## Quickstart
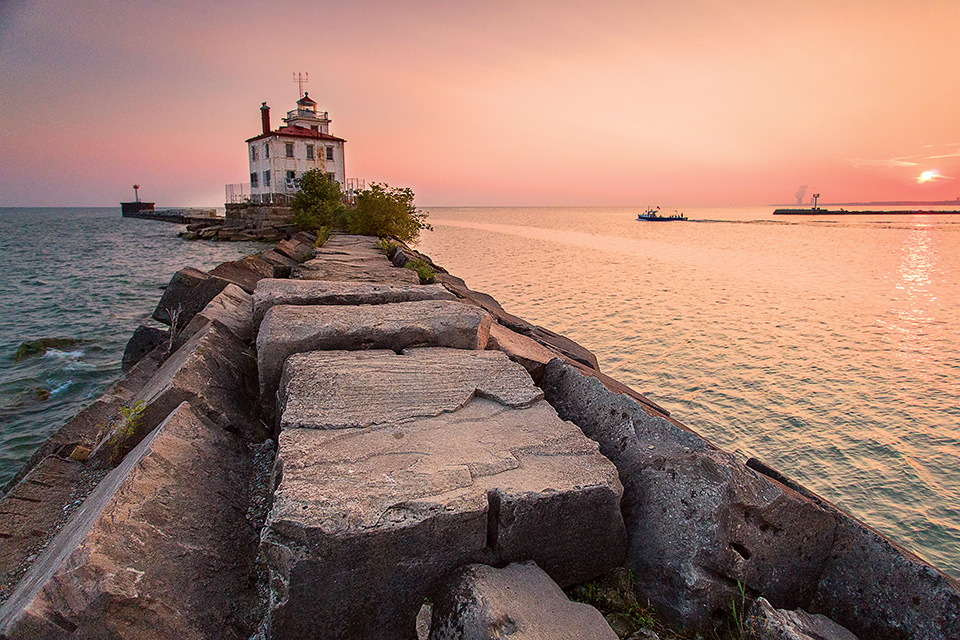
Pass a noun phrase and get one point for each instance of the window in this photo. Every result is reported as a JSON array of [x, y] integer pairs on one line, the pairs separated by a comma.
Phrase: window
[[329, 153], [309, 152], [253, 180], [332, 176], [253, 153], [291, 175], [315, 127], [289, 147], [266, 149], [266, 178]]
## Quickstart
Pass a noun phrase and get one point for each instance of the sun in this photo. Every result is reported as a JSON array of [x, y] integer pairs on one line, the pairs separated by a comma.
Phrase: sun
[[927, 176]]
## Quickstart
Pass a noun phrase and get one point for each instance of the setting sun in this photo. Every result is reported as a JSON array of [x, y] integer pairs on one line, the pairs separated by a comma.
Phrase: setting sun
[[929, 175]]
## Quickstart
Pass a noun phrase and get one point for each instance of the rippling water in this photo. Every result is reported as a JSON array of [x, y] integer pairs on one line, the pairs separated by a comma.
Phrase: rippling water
[[826, 347], [86, 274]]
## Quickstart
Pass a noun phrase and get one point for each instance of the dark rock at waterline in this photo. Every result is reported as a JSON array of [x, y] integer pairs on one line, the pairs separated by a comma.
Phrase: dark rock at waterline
[[39, 347], [520, 600], [144, 340], [189, 291]]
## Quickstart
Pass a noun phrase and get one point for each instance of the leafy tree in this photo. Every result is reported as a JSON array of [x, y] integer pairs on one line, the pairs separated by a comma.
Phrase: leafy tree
[[385, 211], [318, 203]]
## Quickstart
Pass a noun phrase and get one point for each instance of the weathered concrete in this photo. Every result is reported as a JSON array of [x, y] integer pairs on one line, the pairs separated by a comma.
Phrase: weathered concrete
[[347, 389], [233, 308], [144, 340], [354, 259], [189, 291], [288, 329], [214, 371], [697, 520], [273, 292], [382, 514], [766, 623], [160, 549], [519, 601]]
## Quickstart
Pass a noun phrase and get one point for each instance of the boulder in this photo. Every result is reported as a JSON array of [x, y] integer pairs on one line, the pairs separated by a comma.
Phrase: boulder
[[31, 509], [213, 370], [189, 291], [245, 273], [766, 623], [160, 549], [273, 292], [296, 250], [233, 308], [277, 259], [144, 340], [519, 601], [368, 521], [288, 329], [349, 389], [525, 351], [698, 522]]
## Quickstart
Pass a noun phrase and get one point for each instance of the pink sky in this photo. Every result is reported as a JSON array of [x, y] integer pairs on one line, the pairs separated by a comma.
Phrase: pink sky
[[625, 102]]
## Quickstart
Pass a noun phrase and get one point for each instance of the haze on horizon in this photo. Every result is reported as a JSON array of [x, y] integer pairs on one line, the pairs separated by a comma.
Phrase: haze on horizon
[[672, 102]]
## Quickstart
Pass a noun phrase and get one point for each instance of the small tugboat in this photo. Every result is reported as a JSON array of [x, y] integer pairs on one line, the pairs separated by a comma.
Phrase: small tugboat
[[653, 215]]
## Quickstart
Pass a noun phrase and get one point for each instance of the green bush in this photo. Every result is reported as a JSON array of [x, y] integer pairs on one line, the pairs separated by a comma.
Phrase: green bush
[[318, 203], [384, 211], [424, 271]]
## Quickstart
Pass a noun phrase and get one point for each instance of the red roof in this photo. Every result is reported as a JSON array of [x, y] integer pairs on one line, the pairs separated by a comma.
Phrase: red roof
[[294, 131]]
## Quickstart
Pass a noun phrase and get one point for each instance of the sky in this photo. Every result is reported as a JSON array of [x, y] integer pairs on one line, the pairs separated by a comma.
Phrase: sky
[[554, 103]]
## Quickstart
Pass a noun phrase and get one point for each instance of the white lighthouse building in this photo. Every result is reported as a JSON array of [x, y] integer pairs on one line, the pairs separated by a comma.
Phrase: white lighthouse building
[[278, 157]]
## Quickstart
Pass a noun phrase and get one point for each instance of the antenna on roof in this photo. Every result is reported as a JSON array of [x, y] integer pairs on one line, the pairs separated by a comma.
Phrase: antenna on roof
[[301, 79]]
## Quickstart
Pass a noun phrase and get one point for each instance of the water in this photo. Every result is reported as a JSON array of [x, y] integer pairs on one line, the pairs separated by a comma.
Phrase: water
[[825, 347], [77, 273]]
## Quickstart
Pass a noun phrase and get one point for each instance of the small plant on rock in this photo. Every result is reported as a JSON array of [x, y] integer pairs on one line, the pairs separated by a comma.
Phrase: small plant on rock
[[424, 271], [131, 419]]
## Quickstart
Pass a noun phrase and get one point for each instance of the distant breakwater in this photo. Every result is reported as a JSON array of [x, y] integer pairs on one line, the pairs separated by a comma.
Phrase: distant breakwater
[[326, 404]]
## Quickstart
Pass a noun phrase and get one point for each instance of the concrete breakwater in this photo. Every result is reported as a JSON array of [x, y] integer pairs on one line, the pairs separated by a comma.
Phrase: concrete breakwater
[[321, 442]]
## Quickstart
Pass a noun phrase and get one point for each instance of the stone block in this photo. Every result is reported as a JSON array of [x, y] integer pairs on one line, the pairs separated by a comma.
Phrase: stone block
[[31, 508], [519, 601], [366, 522], [245, 273], [160, 549], [766, 623], [277, 259], [295, 249], [144, 340], [189, 291], [273, 292], [288, 329], [233, 308], [348, 389], [213, 371], [697, 520], [525, 351], [355, 259]]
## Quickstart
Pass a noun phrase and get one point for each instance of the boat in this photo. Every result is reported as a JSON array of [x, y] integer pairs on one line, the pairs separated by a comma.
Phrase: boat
[[653, 215]]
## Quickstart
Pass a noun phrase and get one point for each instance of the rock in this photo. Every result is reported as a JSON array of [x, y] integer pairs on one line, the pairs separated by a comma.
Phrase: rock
[[383, 514], [80, 453], [213, 370], [144, 340], [160, 549], [526, 352], [880, 590], [546, 337], [355, 259], [295, 249], [244, 273], [232, 307], [272, 292], [766, 623], [189, 291], [32, 508], [697, 520], [288, 329], [277, 259], [348, 389], [519, 601]]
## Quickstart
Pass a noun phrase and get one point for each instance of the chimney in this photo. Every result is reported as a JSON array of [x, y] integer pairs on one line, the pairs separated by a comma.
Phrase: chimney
[[265, 117]]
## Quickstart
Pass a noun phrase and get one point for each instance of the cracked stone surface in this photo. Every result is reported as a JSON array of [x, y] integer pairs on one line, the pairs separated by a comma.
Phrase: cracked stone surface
[[383, 514], [272, 292], [343, 389], [354, 258], [160, 549], [232, 307], [288, 329]]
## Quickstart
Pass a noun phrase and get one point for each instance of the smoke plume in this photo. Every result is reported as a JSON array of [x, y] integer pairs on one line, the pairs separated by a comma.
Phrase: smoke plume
[[801, 192]]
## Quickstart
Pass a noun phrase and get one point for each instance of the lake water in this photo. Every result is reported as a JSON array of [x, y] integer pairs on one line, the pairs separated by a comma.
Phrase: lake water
[[826, 347]]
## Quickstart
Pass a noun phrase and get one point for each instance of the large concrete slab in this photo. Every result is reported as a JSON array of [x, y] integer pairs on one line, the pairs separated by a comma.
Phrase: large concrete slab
[[273, 292], [232, 307], [519, 601], [160, 549], [289, 329], [366, 522], [354, 258], [346, 389]]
